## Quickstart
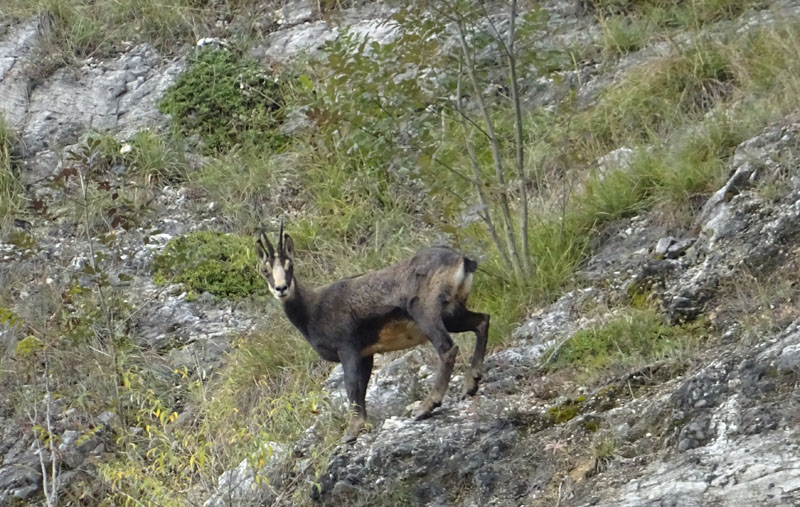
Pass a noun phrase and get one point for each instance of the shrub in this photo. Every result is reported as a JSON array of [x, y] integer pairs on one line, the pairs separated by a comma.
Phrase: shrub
[[227, 100], [205, 261]]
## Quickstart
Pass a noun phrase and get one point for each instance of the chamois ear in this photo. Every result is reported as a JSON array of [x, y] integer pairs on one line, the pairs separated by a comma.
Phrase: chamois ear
[[288, 246], [264, 248]]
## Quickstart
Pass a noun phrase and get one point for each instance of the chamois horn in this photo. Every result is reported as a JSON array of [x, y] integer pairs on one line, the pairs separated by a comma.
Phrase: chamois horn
[[280, 238]]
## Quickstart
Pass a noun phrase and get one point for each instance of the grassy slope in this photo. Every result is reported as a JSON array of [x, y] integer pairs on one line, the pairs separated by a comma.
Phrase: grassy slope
[[682, 114]]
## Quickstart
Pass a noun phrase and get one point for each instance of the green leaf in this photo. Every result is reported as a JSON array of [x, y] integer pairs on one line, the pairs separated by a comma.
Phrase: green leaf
[[28, 346], [305, 82]]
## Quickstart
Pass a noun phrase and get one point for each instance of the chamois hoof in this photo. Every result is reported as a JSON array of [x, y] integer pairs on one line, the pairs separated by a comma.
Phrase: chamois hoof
[[425, 410], [471, 382], [353, 429], [419, 415], [468, 392]]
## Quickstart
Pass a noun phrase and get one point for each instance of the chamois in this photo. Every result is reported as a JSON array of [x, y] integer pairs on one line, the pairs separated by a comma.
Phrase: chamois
[[398, 307]]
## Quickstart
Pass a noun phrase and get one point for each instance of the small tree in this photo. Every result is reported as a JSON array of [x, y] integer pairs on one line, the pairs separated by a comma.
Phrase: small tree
[[438, 96]]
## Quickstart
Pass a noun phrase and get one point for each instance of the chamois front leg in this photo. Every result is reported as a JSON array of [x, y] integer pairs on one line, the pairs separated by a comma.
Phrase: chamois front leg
[[462, 321], [357, 371], [434, 329]]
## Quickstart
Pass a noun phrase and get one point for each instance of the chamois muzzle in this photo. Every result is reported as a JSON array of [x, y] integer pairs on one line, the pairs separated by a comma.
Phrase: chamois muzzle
[[282, 290]]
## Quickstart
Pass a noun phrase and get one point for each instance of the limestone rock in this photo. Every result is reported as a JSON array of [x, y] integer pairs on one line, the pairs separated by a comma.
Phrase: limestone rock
[[119, 95]]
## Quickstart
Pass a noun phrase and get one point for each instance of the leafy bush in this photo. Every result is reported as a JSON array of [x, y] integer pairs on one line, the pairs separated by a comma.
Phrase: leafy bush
[[227, 100], [205, 261]]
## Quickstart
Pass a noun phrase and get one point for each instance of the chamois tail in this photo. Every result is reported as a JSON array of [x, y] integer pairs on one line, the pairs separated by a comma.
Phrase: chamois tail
[[470, 266]]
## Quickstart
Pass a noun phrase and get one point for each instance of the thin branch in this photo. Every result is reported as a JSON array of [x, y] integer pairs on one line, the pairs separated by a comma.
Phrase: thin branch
[[49, 486], [476, 171], [554, 353], [456, 172], [519, 147], [508, 49], [495, 148], [107, 314], [472, 122]]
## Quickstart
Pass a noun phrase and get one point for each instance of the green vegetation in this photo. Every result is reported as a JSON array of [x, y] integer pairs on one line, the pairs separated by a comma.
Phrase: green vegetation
[[83, 28], [154, 156], [605, 447], [566, 411], [659, 96], [630, 25], [227, 100], [10, 186], [114, 182], [385, 163], [147, 157], [634, 338], [204, 261], [243, 184], [263, 398]]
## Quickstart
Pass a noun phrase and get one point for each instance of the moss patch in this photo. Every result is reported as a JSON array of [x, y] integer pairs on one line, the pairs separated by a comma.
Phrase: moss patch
[[566, 411], [205, 261]]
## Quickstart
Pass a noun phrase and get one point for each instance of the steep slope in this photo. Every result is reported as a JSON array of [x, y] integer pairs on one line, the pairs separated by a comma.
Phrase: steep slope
[[658, 362], [722, 431]]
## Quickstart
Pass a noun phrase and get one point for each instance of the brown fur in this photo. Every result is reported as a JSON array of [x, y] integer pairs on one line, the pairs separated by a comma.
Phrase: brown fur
[[401, 306], [396, 335]]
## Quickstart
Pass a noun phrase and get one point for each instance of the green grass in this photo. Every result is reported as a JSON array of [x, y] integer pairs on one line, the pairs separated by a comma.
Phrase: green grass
[[632, 339], [624, 34], [244, 184], [147, 157], [121, 179], [659, 96], [10, 186], [267, 393], [155, 157], [605, 447], [83, 28], [628, 26], [684, 15]]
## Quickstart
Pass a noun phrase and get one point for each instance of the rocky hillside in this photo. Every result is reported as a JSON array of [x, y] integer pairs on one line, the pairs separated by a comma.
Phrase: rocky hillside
[[645, 345], [720, 431]]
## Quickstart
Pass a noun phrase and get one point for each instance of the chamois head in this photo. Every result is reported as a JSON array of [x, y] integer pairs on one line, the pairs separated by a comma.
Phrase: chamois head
[[277, 267]]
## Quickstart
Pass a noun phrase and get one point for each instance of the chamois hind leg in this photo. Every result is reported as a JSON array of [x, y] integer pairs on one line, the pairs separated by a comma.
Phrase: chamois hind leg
[[463, 320], [357, 371], [433, 327]]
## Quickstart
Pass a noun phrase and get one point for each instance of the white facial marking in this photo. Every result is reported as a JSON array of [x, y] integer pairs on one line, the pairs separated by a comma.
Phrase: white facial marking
[[279, 280]]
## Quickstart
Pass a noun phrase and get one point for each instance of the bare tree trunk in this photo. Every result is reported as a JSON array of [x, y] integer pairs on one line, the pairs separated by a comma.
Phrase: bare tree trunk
[[49, 486]]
